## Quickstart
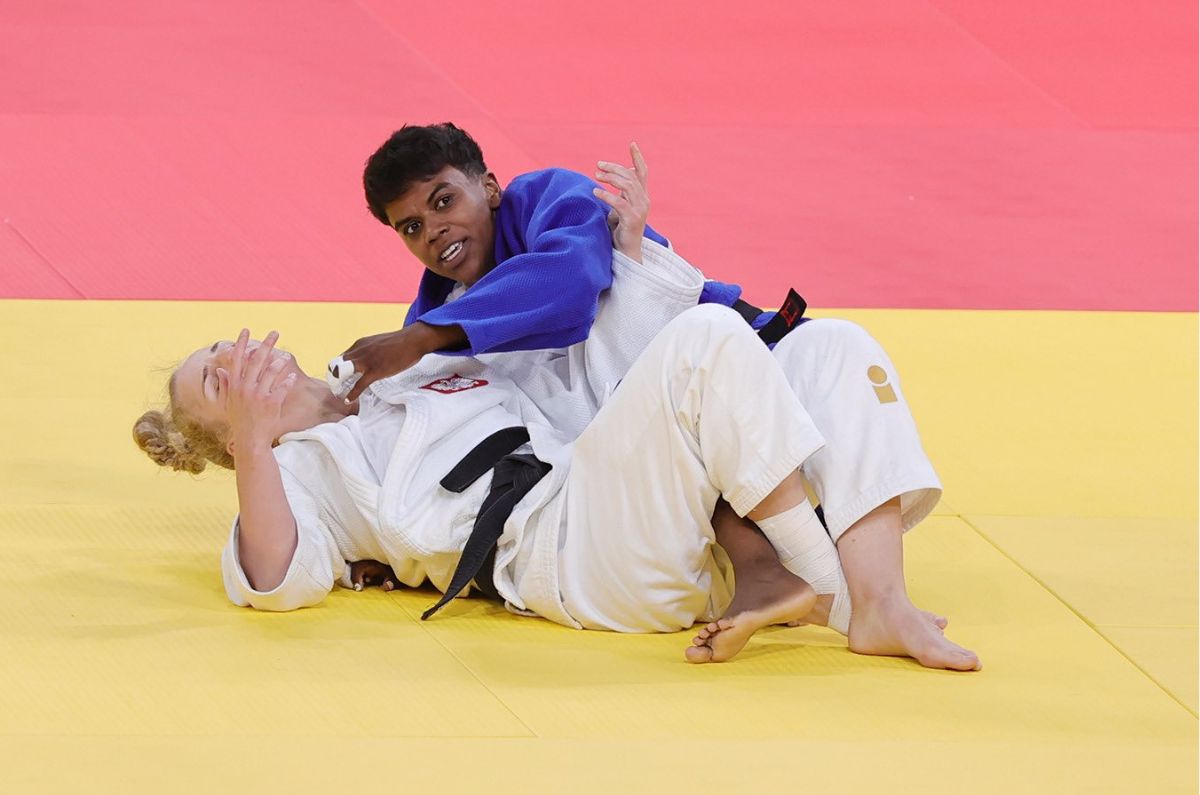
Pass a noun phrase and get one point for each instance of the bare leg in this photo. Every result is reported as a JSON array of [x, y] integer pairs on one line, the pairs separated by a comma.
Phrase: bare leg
[[884, 621], [765, 592]]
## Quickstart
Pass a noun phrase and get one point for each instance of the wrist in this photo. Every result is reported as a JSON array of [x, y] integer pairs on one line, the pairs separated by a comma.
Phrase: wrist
[[633, 252], [248, 450]]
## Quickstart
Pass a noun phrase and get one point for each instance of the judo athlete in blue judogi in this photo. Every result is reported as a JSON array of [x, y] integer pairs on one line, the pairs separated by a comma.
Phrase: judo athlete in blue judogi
[[515, 276], [515, 270]]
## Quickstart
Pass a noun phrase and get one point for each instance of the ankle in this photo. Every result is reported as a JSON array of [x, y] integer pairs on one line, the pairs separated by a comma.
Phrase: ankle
[[876, 599]]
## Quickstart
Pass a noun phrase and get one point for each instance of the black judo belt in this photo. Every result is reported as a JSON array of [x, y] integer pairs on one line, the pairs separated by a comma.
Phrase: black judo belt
[[513, 476], [790, 315]]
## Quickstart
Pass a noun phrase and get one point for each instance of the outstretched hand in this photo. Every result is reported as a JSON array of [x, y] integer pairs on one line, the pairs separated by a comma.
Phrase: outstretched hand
[[630, 205], [252, 392]]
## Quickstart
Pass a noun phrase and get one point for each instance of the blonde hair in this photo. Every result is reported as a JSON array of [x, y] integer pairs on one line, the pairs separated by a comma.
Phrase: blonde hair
[[174, 439]]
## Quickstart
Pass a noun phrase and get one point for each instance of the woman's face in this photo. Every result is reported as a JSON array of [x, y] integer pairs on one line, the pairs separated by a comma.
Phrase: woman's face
[[198, 391]]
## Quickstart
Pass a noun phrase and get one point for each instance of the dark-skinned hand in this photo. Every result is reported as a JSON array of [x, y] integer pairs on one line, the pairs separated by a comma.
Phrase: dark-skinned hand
[[383, 355], [371, 573]]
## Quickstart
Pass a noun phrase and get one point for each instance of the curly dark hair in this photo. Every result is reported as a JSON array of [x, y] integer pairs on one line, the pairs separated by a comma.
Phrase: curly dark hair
[[414, 153]]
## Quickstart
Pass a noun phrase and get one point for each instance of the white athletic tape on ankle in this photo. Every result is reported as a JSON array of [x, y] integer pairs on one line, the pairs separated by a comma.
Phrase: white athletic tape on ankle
[[804, 548], [839, 613]]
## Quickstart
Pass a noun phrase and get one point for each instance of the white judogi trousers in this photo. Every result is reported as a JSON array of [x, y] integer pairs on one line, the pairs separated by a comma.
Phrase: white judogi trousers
[[872, 450], [708, 411]]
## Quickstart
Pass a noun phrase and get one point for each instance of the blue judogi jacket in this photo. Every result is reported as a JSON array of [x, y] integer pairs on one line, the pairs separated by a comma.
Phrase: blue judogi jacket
[[553, 259]]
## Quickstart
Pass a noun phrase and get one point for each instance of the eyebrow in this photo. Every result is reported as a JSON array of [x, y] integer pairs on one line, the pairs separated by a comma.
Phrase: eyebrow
[[404, 221]]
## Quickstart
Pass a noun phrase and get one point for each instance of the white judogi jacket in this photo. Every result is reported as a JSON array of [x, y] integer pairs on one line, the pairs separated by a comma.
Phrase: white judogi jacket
[[344, 512]]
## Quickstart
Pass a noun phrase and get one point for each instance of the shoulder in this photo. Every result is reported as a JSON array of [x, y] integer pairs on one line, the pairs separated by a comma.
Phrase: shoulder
[[311, 449], [551, 181]]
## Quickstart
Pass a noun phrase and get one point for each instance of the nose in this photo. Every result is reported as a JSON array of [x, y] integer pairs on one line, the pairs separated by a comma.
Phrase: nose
[[436, 231]]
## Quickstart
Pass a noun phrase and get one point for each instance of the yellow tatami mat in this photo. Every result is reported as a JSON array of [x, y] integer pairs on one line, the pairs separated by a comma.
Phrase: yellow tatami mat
[[1064, 553]]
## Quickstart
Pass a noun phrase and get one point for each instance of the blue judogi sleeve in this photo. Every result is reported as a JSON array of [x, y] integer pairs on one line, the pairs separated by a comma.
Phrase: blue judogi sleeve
[[553, 259]]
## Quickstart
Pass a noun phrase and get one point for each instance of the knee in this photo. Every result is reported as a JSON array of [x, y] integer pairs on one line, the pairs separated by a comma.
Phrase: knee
[[832, 341], [709, 323], [835, 334]]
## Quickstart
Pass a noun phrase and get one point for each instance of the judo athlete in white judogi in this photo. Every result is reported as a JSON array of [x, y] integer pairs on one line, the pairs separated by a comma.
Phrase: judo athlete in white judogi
[[445, 204], [616, 535]]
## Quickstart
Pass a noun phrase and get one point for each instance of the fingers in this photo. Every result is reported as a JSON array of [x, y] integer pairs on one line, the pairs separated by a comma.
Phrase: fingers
[[365, 381], [270, 374], [619, 177], [639, 163], [280, 389], [275, 383], [611, 199], [223, 386], [369, 574], [239, 356], [258, 359], [353, 350]]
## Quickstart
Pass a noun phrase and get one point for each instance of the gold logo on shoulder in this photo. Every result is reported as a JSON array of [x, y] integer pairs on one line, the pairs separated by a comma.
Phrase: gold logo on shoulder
[[879, 379]]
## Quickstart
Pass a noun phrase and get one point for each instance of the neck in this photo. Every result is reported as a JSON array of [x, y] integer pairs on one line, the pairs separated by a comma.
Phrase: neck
[[319, 404]]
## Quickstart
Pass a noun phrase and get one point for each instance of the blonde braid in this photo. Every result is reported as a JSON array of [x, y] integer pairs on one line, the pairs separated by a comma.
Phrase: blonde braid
[[173, 439]]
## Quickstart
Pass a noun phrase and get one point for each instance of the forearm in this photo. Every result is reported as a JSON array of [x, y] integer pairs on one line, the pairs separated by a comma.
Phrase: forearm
[[431, 339], [267, 529]]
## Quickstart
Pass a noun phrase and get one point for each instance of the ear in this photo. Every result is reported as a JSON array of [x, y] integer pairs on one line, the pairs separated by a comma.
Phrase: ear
[[491, 187]]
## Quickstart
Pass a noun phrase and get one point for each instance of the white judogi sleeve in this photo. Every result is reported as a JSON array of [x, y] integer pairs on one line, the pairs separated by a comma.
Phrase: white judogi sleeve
[[316, 565], [644, 298]]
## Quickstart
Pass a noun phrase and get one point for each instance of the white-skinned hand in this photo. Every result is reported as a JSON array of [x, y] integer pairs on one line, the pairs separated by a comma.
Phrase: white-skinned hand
[[252, 392], [630, 205]]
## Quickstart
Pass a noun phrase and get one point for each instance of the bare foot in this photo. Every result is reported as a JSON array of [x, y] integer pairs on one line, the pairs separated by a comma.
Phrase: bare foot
[[819, 615], [895, 628], [777, 598]]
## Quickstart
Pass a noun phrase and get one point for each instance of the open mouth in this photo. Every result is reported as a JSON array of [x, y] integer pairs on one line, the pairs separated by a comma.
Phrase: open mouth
[[451, 253]]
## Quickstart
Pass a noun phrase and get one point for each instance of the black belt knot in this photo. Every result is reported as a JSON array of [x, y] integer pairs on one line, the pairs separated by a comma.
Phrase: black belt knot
[[513, 476], [790, 315]]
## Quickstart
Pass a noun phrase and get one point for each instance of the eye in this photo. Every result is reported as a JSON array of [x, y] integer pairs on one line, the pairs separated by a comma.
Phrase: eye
[[443, 201], [411, 228]]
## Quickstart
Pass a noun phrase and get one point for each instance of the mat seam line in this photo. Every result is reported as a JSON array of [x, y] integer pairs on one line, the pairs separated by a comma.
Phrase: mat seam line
[[1045, 93], [532, 733], [45, 260], [1147, 626], [436, 69], [1080, 616]]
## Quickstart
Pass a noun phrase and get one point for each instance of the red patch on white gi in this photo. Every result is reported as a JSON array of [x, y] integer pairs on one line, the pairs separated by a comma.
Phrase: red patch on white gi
[[455, 383]]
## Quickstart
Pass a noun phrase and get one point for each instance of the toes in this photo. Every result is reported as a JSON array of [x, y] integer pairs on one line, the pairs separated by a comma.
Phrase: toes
[[698, 654], [954, 657]]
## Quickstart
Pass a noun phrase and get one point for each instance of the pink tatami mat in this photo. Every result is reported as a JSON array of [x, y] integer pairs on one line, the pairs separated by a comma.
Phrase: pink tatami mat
[[941, 154]]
